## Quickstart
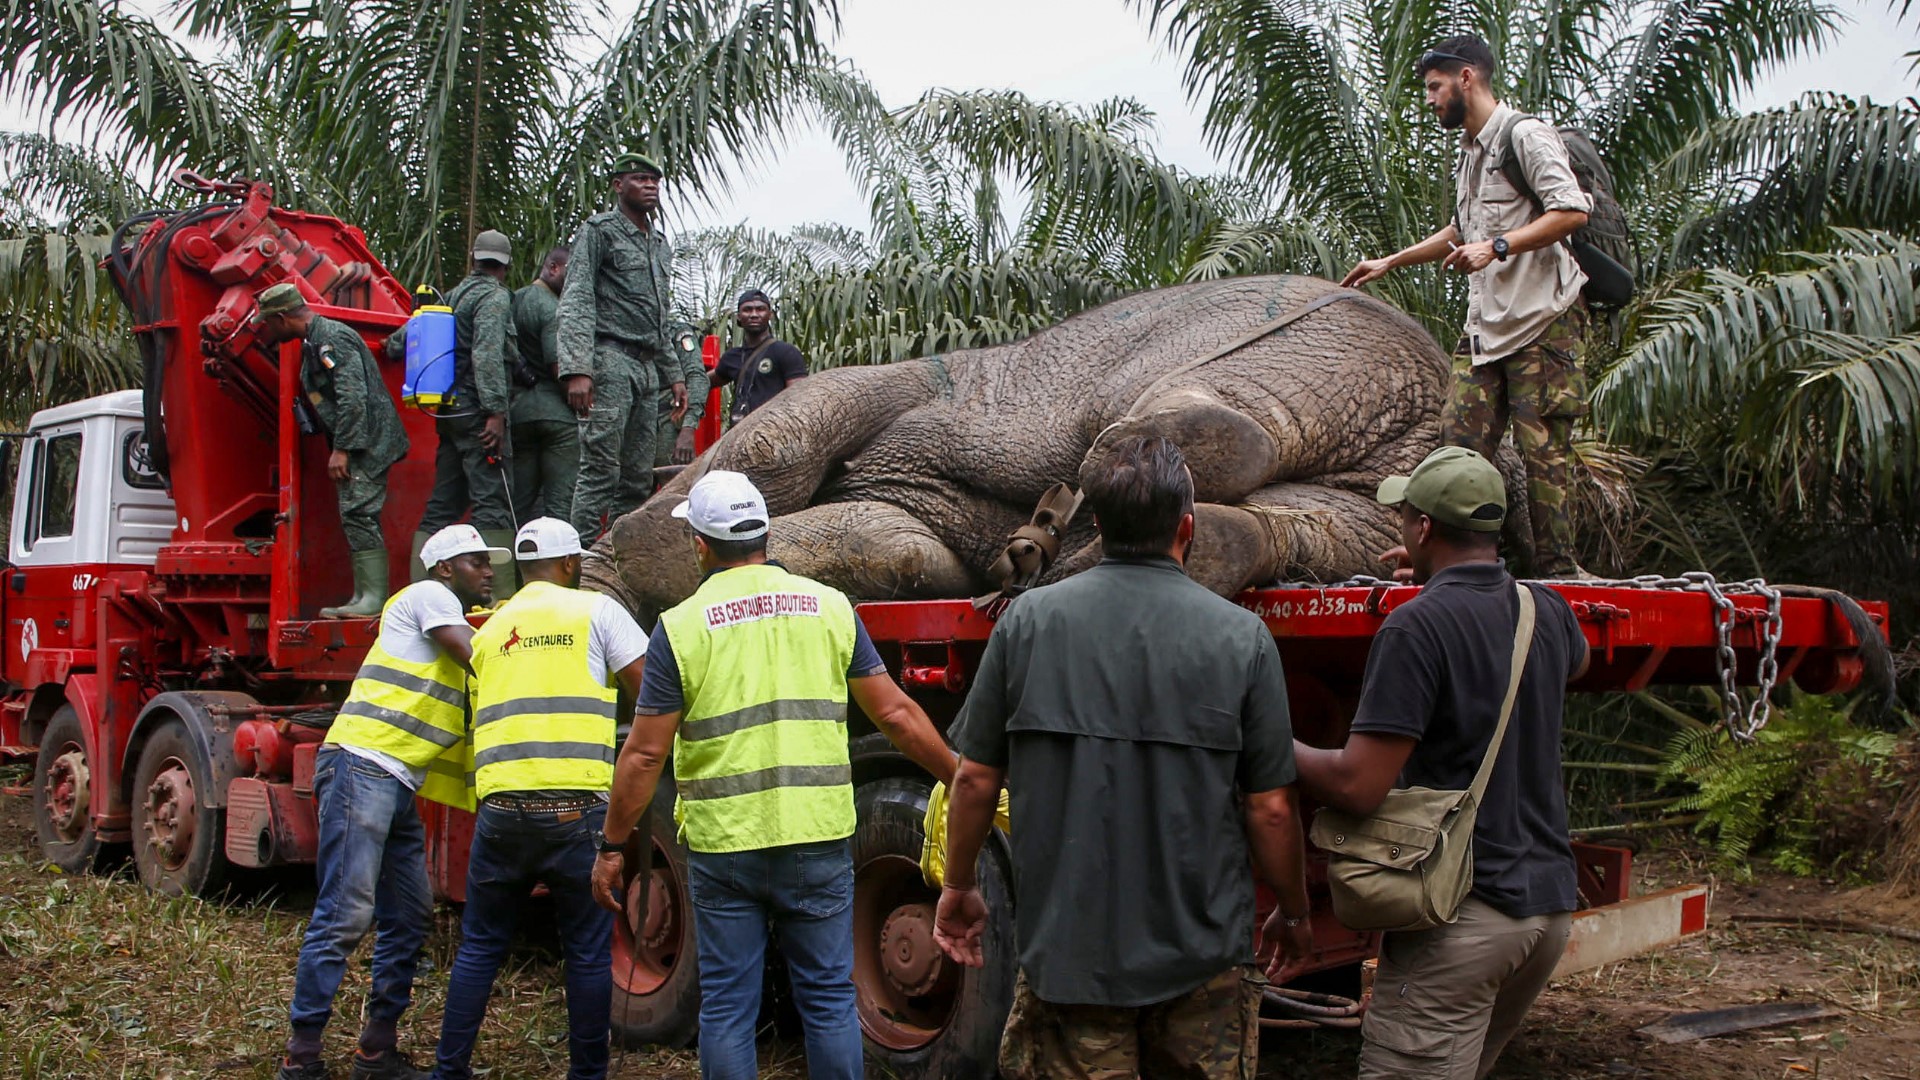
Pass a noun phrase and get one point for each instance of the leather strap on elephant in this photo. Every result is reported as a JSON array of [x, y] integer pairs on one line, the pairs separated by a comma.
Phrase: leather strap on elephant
[[1030, 549], [1292, 316]]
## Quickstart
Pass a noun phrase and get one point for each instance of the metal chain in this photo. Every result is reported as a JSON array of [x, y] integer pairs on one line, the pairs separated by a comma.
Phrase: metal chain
[[1743, 721]]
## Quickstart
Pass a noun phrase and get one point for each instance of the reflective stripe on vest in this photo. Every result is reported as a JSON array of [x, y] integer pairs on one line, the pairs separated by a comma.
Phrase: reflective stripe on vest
[[541, 721], [415, 713], [761, 755]]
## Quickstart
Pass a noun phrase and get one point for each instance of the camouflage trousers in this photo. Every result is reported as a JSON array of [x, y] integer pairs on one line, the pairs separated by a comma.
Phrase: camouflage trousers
[[546, 465], [616, 443], [1542, 390], [363, 494], [1210, 1033], [463, 479]]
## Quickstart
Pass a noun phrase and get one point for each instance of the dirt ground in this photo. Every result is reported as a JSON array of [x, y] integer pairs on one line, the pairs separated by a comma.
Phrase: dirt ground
[[100, 979]]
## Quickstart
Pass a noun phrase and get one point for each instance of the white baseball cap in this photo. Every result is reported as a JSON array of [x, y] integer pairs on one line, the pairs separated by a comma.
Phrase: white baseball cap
[[551, 539], [456, 540], [725, 506]]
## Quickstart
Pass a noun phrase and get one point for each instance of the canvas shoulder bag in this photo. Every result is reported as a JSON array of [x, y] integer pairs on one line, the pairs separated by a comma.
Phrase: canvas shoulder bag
[[1409, 864]]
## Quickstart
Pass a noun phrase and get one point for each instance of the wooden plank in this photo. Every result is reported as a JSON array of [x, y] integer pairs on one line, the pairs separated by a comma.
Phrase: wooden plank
[[1687, 1027], [1615, 932]]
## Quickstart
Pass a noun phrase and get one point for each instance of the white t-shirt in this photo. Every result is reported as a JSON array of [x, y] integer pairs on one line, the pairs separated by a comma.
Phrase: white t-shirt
[[614, 640], [415, 610]]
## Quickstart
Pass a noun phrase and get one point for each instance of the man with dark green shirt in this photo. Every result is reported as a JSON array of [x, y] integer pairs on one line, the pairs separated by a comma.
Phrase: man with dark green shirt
[[612, 335], [470, 468], [350, 400], [1140, 724], [546, 434]]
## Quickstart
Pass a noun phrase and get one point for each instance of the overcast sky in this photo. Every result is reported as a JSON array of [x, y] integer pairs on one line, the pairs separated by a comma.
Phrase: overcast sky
[[1087, 50]]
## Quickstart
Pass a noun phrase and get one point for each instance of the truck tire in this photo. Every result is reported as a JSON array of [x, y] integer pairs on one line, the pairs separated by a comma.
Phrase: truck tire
[[923, 1015], [63, 779], [178, 840], [656, 971]]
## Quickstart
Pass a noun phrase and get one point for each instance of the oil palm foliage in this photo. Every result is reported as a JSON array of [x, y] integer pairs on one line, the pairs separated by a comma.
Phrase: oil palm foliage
[[422, 123]]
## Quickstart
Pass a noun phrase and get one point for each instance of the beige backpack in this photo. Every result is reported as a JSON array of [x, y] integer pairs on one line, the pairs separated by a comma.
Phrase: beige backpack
[[1409, 864]]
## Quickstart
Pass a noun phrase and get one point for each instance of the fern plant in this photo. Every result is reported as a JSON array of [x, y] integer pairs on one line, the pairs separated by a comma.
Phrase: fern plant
[[1811, 796]]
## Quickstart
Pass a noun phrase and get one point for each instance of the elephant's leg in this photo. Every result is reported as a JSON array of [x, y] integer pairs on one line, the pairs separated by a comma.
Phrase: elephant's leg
[[789, 445], [1229, 452], [1289, 532], [870, 551]]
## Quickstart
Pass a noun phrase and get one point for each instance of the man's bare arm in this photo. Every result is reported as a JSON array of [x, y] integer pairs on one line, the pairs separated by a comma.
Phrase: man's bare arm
[[457, 642], [636, 772], [904, 723], [1356, 777]]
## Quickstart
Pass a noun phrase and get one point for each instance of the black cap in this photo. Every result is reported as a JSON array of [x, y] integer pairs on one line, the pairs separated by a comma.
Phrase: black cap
[[752, 294]]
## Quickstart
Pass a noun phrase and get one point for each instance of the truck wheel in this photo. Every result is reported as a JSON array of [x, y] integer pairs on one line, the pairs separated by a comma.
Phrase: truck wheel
[[923, 1015], [656, 971], [63, 779], [177, 838]]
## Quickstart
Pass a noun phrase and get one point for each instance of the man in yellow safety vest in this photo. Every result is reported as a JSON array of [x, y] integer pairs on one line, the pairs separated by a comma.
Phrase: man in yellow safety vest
[[402, 731], [747, 688], [551, 666]]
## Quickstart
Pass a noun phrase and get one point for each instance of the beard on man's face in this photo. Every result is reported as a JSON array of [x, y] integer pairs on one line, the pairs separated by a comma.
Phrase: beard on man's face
[[1452, 111]]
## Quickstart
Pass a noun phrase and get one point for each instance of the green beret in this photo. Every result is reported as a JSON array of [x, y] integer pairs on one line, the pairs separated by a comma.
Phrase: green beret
[[280, 299], [631, 162]]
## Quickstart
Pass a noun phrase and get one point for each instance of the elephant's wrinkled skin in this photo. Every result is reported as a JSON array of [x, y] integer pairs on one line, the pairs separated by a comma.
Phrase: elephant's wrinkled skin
[[903, 481]]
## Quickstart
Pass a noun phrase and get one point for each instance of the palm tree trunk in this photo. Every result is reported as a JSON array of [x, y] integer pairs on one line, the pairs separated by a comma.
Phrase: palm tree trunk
[[473, 139]]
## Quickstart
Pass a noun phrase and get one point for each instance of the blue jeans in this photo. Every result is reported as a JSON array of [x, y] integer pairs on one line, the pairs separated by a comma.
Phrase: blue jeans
[[804, 893], [372, 871], [512, 850]]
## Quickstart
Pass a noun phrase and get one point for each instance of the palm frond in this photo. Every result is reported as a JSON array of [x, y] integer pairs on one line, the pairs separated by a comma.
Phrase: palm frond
[[1814, 367]]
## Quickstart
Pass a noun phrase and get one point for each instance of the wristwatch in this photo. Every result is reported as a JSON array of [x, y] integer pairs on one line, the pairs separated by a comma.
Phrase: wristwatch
[[1500, 248], [607, 846], [1291, 923]]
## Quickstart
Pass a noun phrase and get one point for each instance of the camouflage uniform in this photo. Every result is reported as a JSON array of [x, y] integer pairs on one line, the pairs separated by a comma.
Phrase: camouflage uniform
[[612, 325], [680, 365], [546, 434], [484, 351], [344, 386], [1543, 390], [1209, 1033]]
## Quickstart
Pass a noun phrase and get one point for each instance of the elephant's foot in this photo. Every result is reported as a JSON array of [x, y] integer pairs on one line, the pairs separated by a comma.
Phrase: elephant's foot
[[870, 551], [1229, 453]]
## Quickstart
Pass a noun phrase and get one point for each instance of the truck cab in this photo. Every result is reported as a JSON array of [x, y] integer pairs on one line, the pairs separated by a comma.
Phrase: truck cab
[[85, 503]]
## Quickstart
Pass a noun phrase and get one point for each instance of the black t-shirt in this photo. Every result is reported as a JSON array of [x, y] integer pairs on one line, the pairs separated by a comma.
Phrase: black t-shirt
[[1438, 672], [780, 365], [1130, 706]]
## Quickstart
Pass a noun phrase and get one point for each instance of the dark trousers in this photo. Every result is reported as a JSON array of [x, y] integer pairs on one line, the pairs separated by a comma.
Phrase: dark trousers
[[512, 850], [463, 478]]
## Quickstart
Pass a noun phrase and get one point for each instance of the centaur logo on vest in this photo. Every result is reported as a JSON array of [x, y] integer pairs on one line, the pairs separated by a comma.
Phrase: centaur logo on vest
[[762, 606], [534, 641]]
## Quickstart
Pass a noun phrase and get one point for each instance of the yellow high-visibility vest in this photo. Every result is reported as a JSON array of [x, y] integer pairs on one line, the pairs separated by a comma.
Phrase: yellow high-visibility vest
[[415, 712], [761, 754], [541, 721]]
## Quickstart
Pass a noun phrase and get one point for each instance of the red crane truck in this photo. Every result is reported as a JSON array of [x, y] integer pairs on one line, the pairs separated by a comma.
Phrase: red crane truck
[[170, 546]]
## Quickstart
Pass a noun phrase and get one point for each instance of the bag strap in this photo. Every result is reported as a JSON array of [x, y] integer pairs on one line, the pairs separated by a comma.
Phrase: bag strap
[[750, 367], [1522, 644]]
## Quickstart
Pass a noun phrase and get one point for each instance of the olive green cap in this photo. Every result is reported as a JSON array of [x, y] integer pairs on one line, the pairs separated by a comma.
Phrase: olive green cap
[[493, 246], [280, 299], [1454, 486], [632, 162]]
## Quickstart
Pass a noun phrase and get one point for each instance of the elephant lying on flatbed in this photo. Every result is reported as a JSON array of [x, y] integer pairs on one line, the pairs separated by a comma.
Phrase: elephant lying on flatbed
[[1290, 396]]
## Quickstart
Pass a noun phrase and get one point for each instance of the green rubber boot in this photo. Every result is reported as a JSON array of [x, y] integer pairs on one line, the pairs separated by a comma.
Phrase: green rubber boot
[[415, 571], [369, 587], [506, 572]]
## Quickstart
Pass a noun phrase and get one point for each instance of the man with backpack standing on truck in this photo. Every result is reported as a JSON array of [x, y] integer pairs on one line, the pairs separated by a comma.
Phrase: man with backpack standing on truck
[[1517, 206], [470, 467], [401, 733]]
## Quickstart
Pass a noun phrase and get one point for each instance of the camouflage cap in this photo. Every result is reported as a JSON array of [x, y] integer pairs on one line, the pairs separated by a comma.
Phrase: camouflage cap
[[493, 246], [280, 299], [633, 162], [1454, 486]]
